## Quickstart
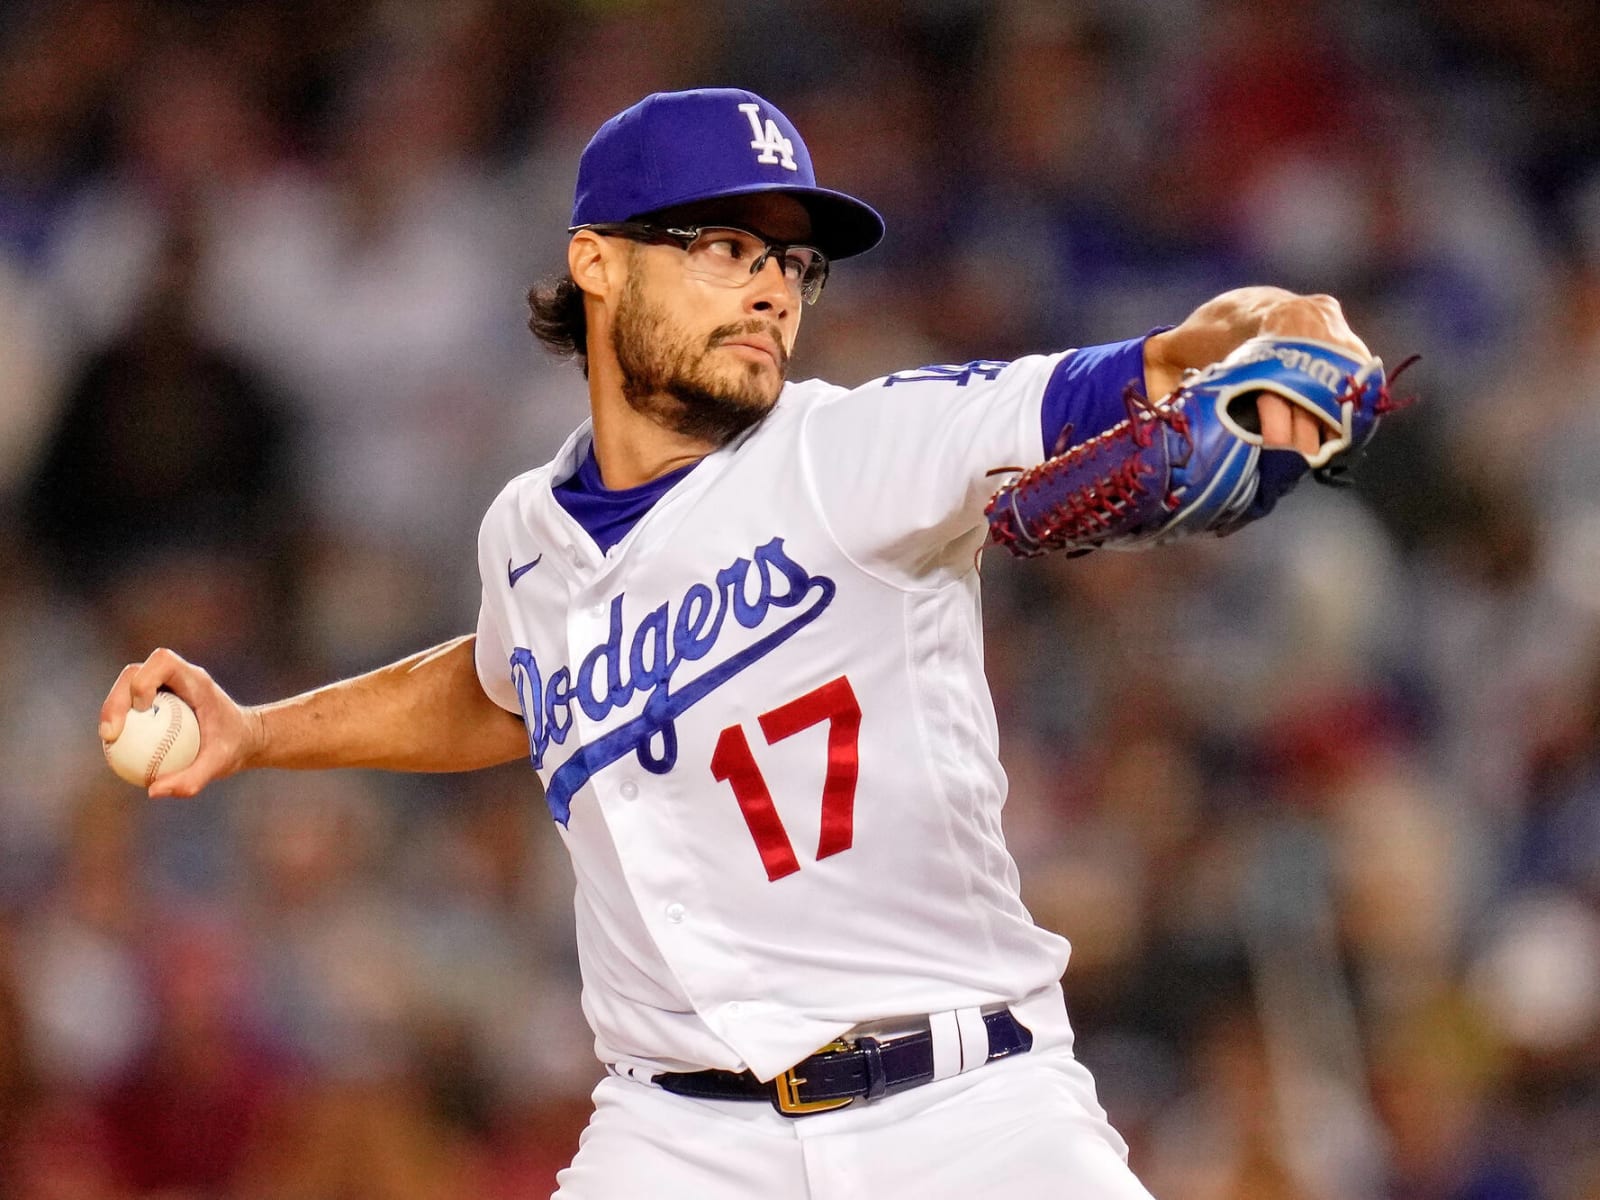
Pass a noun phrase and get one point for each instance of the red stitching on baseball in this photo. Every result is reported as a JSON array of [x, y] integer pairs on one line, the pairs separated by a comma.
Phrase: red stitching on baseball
[[159, 754]]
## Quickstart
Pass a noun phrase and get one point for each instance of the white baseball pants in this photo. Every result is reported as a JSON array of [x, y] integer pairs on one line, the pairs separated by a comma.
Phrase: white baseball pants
[[1023, 1128]]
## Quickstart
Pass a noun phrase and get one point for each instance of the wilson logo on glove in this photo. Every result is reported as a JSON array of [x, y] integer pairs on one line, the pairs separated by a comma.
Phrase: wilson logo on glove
[[1192, 462]]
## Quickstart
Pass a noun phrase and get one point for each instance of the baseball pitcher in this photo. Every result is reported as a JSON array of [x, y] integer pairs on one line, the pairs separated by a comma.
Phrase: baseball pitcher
[[734, 626]]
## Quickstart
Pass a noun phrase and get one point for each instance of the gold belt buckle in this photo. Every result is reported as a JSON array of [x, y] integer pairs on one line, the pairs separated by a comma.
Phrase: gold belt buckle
[[787, 1089]]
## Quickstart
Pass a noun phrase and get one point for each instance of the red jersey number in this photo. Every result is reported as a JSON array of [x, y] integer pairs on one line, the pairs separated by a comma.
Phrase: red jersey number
[[733, 763]]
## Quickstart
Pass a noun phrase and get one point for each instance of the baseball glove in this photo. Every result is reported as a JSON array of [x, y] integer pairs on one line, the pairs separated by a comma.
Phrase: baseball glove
[[1194, 462]]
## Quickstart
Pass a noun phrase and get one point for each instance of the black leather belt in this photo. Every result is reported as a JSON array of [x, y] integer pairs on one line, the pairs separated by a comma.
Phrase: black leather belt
[[863, 1068]]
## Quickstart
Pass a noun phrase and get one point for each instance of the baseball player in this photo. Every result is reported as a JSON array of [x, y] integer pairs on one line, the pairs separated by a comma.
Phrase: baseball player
[[734, 624]]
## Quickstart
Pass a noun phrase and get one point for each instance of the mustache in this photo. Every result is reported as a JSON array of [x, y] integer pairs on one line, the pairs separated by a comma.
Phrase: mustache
[[723, 333]]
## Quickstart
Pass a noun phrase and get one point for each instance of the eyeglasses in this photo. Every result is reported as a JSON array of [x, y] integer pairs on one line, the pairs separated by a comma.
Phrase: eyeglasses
[[732, 257]]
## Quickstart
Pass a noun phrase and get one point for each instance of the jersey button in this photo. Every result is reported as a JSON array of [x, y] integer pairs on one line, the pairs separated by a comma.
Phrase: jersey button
[[676, 913], [572, 555], [629, 790]]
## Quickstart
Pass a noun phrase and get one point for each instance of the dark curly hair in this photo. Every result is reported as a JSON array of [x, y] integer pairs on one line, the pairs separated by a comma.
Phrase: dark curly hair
[[556, 317]]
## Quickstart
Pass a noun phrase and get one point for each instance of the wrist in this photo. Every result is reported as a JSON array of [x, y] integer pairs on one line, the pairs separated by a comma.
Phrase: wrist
[[1162, 372], [253, 741]]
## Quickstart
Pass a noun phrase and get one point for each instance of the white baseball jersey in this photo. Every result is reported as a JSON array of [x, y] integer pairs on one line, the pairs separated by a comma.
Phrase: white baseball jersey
[[763, 726]]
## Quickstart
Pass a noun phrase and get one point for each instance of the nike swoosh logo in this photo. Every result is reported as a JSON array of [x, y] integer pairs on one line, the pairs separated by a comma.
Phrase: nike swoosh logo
[[516, 573]]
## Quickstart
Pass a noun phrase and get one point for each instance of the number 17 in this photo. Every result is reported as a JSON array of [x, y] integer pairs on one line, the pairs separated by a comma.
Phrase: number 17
[[733, 763]]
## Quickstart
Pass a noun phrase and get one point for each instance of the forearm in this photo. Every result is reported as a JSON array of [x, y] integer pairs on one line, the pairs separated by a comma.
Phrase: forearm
[[427, 712]]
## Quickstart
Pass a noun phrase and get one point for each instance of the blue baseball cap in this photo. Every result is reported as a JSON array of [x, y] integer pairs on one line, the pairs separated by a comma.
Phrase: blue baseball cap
[[674, 148]]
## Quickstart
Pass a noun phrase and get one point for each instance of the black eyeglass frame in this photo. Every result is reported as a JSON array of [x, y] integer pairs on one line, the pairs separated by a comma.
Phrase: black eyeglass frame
[[684, 236]]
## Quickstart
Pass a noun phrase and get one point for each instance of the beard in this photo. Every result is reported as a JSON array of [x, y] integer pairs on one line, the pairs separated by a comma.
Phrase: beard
[[666, 375]]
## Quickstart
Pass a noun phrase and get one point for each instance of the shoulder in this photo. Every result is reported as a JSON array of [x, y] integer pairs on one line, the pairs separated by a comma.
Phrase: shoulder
[[531, 483], [517, 502], [519, 487], [799, 397], [935, 391], [796, 402]]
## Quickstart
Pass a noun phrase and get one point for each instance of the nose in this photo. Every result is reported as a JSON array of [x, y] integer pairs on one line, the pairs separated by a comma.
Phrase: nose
[[769, 291]]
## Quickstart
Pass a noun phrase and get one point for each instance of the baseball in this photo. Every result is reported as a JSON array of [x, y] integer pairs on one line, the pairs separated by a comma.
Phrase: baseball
[[156, 741]]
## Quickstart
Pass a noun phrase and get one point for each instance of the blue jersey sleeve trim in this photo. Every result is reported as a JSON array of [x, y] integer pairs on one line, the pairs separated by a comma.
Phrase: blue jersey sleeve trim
[[1085, 392]]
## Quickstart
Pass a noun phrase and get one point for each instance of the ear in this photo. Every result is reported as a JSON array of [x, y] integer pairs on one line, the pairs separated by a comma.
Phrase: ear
[[594, 264]]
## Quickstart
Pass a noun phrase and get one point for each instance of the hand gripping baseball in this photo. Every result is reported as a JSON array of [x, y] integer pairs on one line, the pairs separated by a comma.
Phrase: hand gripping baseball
[[1193, 462], [228, 733]]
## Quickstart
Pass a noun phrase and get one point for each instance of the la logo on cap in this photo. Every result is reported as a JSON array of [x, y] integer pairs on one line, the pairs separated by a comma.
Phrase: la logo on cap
[[770, 141]]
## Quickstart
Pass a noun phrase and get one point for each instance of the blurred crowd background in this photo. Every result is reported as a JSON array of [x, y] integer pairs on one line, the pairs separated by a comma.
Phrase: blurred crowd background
[[1319, 804]]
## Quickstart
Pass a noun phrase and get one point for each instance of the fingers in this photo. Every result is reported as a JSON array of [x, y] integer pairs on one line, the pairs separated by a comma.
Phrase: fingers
[[137, 685], [1277, 421], [1286, 426], [164, 669], [206, 768], [115, 709], [1308, 431]]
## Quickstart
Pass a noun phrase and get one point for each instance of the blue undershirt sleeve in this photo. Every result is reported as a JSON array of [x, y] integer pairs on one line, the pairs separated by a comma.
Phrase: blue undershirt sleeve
[[1086, 390]]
